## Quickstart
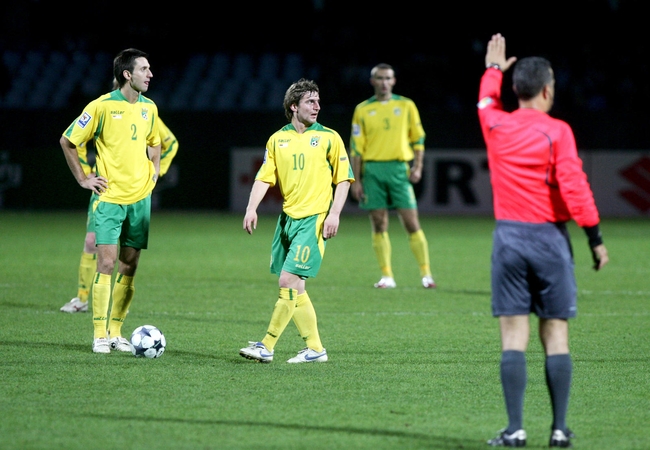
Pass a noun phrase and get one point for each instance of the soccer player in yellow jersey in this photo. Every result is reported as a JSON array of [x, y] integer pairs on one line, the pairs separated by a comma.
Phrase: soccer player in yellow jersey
[[310, 165], [123, 125], [168, 147], [88, 262], [387, 136]]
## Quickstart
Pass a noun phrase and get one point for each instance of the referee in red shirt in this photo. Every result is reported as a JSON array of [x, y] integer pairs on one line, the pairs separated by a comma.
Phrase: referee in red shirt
[[538, 185]]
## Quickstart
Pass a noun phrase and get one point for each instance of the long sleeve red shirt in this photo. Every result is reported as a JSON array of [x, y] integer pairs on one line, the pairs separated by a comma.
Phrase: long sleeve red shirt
[[535, 171]]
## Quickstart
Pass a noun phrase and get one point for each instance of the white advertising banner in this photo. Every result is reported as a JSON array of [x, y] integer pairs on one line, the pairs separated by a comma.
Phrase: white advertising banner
[[457, 182]]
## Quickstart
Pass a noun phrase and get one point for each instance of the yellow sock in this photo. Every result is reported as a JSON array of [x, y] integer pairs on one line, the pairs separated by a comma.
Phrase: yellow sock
[[381, 245], [87, 268], [420, 249], [282, 313], [305, 319], [123, 291], [101, 293]]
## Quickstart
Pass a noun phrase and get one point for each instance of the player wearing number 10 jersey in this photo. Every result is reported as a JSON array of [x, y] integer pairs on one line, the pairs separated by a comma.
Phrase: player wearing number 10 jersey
[[310, 165]]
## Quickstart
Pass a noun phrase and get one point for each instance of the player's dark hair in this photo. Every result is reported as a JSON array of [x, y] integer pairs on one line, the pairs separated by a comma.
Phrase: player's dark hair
[[530, 76], [295, 93], [125, 60]]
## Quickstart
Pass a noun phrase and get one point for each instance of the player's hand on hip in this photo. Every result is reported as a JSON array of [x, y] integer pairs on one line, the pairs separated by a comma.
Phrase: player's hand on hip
[[94, 183]]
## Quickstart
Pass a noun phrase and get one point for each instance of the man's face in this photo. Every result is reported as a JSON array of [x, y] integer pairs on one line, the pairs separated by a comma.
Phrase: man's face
[[308, 108], [141, 75], [383, 81]]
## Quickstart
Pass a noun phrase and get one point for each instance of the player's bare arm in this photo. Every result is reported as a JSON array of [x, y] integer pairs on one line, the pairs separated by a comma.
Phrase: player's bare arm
[[416, 170], [91, 181], [357, 187], [154, 156], [331, 225], [257, 194]]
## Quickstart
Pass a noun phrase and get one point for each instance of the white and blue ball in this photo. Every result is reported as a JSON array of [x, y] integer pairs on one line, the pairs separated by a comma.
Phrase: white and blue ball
[[148, 341]]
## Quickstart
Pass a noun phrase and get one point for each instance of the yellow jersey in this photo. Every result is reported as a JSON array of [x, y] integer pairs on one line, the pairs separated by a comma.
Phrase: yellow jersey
[[306, 167], [169, 147], [82, 154], [386, 131], [121, 132], [168, 143]]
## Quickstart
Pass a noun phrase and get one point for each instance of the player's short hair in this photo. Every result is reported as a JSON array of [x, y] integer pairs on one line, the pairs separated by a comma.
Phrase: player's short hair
[[295, 93], [125, 60], [381, 66], [530, 76]]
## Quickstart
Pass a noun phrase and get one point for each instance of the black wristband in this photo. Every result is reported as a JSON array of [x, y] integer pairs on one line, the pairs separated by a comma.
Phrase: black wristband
[[594, 236]]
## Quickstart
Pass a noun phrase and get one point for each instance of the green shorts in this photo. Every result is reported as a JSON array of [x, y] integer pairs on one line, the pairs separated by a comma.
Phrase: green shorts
[[298, 245], [128, 224], [386, 185], [90, 220]]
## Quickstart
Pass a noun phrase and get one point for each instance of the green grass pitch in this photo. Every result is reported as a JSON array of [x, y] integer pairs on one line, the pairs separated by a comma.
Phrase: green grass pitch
[[409, 368]]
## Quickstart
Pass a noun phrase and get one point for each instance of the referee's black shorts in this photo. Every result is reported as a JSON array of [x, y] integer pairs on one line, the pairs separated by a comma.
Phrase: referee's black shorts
[[533, 270]]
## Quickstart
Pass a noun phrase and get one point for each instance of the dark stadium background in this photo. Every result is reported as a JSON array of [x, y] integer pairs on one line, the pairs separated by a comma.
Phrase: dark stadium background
[[599, 48]]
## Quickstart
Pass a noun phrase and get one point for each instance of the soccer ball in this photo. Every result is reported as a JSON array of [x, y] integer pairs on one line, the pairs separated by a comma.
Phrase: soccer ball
[[148, 341]]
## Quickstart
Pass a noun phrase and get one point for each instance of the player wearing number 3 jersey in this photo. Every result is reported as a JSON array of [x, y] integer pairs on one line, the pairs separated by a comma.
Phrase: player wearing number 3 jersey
[[309, 164]]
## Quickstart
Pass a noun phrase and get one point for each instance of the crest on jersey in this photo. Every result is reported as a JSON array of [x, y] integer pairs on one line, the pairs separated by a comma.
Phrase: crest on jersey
[[84, 119], [314, 141], [145, 113], [397, 111]]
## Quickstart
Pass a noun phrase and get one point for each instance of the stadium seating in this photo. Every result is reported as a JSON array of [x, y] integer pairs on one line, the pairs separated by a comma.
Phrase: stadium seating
[[56, 80]]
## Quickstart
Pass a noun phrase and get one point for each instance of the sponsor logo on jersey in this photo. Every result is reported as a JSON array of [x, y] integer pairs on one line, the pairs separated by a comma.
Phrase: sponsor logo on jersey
[[84, 119], [117, 114]]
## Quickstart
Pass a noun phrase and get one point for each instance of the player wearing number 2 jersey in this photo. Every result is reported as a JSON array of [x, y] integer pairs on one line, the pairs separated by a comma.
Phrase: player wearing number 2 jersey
[[88, 262], [123, 125]]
